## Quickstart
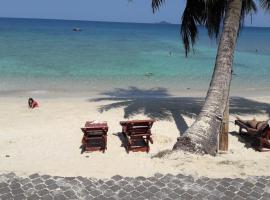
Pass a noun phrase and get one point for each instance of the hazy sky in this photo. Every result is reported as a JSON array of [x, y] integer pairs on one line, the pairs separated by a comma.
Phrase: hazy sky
[[104, 10]]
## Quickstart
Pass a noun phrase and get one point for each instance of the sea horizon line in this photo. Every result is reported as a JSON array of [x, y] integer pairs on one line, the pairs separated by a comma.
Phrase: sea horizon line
[[163, 22]]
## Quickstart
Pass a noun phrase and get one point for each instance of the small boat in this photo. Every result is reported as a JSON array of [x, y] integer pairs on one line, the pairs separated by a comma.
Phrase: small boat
[[77, 29]]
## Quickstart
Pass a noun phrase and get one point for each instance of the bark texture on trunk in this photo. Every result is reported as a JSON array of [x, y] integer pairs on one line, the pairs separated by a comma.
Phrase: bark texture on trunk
[[202, 136]]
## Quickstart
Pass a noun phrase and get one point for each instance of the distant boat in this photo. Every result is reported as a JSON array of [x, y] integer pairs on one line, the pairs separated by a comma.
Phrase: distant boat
[[77, 29]]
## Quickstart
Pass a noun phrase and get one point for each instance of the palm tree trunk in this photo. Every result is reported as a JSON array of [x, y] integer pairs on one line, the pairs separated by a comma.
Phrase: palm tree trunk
[[202, 136]]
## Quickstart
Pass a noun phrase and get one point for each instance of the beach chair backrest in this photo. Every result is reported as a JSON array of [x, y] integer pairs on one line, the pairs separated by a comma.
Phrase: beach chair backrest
[[141, 124], [139, 127], [94, 131], [139, 131]]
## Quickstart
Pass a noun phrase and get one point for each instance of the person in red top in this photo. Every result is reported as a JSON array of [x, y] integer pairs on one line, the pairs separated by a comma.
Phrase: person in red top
[[32, 103]]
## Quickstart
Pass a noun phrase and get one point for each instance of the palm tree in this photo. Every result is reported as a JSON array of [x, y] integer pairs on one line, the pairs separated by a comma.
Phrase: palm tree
[[228, 15]]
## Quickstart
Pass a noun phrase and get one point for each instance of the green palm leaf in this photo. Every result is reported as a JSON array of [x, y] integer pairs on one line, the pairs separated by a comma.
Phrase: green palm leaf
[[156, 4], [265, 4], [208, 13], [248, 8], [194, 14]]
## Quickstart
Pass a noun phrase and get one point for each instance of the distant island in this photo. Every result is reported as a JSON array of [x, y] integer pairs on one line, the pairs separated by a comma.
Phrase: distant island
[[164, 22]]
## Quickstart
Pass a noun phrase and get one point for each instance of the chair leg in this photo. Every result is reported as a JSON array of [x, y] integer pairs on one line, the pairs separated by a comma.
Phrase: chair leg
[[127, 148], [105, 142], [260, 147], [151, 140], [147, 144], [83, 148]]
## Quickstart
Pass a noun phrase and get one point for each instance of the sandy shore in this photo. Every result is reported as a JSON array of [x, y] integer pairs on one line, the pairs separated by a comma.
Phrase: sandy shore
[[47, 139]]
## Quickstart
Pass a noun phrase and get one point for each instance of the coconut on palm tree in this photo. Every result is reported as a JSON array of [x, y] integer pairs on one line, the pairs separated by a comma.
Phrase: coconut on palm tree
[[223, 19]]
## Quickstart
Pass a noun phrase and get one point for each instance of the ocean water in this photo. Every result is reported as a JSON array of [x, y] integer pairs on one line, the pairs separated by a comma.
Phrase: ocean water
[[46, 57]]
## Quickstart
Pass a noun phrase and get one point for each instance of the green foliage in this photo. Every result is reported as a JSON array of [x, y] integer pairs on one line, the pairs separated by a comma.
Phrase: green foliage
[[156, 4], [265, 4], [210, 14]]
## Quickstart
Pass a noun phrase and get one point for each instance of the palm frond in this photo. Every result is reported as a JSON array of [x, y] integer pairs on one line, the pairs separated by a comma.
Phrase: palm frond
[[156, 4], [265, 4], [248, 8], [211, 14], [215, 13], [208, 13], [194, 14]]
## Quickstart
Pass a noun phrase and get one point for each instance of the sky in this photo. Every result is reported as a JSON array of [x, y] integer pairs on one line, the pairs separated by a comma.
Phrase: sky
[[138, 11]]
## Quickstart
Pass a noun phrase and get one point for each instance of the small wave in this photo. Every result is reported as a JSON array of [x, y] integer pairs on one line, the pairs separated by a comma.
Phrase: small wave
[[38, 92]]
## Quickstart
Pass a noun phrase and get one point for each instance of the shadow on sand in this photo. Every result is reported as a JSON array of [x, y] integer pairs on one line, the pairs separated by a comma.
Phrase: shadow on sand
[[124, 142], [249, 142], [158, 104]]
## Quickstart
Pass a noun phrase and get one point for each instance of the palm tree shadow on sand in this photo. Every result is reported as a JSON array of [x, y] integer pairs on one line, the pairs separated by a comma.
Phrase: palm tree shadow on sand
[[158, 104]]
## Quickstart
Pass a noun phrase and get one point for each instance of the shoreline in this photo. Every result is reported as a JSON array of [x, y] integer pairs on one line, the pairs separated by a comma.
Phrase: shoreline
[[128, 92]]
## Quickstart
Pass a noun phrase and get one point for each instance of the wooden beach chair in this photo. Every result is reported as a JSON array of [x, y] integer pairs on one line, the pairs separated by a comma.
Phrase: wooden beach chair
[[262, 134], [95, 136], [138, 134]]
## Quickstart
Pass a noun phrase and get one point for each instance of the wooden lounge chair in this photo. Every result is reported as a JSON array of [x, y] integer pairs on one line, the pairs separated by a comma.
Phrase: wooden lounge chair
[[262, 134], [95, 136], [138, 134]]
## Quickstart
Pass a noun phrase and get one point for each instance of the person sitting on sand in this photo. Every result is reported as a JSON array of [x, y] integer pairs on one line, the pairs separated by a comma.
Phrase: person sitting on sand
[[258, 125], [32, 103]]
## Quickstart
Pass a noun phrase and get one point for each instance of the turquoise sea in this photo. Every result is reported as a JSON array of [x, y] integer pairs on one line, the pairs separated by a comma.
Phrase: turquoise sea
[[47, 57]]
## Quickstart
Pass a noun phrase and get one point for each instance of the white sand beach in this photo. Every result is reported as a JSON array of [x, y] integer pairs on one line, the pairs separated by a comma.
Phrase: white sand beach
[[47, 140]]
